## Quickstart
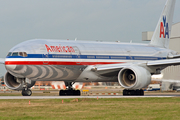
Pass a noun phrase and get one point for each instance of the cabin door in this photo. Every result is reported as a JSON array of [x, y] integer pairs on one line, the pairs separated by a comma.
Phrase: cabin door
[[46, 58], [77, 55]]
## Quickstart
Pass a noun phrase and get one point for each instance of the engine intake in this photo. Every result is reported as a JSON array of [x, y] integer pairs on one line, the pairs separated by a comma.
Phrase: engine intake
[[134, 77], [15, 83]]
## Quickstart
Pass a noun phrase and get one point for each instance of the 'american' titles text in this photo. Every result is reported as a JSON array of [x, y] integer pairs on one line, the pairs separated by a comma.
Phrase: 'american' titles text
[[59, 48]]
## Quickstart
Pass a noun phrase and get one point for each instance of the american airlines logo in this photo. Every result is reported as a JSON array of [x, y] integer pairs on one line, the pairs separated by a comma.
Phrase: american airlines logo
[[59, 48], [164, 29]]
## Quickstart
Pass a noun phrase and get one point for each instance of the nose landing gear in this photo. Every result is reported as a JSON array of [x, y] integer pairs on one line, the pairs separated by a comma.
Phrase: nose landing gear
[[26, 91]]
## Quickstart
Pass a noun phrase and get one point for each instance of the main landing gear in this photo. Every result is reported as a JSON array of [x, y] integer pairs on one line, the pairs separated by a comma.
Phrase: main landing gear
[[69, 90], [133, 92]]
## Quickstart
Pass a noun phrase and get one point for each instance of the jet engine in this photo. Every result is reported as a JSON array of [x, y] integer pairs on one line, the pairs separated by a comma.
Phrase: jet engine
[[15, 83], [134, 77]]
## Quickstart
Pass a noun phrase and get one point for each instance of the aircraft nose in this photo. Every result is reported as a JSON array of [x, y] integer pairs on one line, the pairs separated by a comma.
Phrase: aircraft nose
[[11, 67]]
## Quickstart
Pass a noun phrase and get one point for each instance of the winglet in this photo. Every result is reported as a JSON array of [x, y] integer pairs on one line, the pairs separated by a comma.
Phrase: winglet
[[162, 32]]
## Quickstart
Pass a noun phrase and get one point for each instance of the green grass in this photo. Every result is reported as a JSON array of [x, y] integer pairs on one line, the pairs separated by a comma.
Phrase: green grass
[[106, 109]]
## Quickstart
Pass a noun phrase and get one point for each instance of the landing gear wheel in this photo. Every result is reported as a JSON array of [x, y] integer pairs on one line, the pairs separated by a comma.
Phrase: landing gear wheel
[[142, 92], [78, 93], [125, 92], [62, 93], [138, 92], [133, 92], [69, 93], [69, 90], [27, 92]]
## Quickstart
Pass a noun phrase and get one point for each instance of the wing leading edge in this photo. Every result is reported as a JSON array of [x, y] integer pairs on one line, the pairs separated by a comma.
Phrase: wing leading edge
[[166, 63], [113, 69], [105, 69]]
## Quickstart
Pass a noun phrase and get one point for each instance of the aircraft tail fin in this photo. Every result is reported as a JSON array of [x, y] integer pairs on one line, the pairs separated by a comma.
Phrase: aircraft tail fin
[[162, 32]]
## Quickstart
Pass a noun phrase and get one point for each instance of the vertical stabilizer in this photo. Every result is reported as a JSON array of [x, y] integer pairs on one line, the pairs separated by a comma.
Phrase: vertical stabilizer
[[162, 32]]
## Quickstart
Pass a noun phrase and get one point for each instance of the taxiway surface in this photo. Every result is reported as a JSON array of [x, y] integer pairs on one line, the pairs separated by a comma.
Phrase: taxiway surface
[[67, 97]]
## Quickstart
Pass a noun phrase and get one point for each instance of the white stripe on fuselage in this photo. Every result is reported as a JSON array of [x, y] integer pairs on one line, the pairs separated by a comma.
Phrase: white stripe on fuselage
[[70, 60]]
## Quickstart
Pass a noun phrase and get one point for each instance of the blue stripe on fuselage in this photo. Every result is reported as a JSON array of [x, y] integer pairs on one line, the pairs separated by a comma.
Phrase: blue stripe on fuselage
[[67, 56]]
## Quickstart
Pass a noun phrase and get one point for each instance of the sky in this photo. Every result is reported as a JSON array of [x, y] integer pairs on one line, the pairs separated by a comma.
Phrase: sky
[[105, 20]]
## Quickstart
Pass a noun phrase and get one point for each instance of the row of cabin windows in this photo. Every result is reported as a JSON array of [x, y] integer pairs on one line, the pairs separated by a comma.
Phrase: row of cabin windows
[[23, 54]]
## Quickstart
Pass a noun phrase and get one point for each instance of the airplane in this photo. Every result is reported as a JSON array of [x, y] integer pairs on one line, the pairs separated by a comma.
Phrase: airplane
[[130, 64]]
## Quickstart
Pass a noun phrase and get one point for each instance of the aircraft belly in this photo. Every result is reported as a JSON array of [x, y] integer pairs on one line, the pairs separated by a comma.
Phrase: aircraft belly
[[49, 72], [75, 73]]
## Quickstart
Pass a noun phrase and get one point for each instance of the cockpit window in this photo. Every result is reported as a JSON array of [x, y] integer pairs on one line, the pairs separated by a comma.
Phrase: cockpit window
[[23, 54], [15, 54], [9, 54]]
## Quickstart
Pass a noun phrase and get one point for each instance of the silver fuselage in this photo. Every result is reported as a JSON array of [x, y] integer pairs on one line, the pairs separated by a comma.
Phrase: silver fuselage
[[66, 60]]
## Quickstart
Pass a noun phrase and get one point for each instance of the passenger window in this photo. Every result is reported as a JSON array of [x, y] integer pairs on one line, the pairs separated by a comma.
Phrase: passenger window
[[15, 54], [9, 54]]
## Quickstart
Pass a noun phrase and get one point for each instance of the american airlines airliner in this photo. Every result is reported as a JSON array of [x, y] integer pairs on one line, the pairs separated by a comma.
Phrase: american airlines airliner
[[71, 61]]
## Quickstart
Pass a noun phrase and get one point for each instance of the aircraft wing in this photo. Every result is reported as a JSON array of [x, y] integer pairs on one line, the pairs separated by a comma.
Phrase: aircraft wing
[[2, 60], [114, 68], [173, 56], [167, 62], [110, 68], [170, 81]]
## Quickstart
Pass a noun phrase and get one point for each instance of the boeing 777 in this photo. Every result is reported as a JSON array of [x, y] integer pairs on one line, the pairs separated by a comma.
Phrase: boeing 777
[[71, 61]]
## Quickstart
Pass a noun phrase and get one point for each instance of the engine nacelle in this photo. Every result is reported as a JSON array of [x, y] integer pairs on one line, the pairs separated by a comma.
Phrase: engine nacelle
[[15, 83], [134, 77]]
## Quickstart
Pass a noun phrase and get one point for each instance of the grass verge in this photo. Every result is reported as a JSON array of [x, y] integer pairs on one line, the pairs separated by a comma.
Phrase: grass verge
[[107, 109]]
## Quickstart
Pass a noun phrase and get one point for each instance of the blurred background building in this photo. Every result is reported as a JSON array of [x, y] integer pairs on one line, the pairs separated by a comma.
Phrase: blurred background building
[[170, 79]]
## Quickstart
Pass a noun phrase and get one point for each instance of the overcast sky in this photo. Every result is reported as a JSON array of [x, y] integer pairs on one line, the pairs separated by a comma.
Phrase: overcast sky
[[107, 20]]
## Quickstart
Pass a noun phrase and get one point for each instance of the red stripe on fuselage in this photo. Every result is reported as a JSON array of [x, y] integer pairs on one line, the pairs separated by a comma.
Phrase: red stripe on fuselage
[[55, 63]]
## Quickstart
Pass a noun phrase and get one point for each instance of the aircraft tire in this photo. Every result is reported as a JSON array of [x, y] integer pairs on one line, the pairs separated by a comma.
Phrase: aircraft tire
[[133, 92], [142, 92], [138, 92], [27, 92], [62, 93], [77, 93], [69, 93], [124, 92]]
